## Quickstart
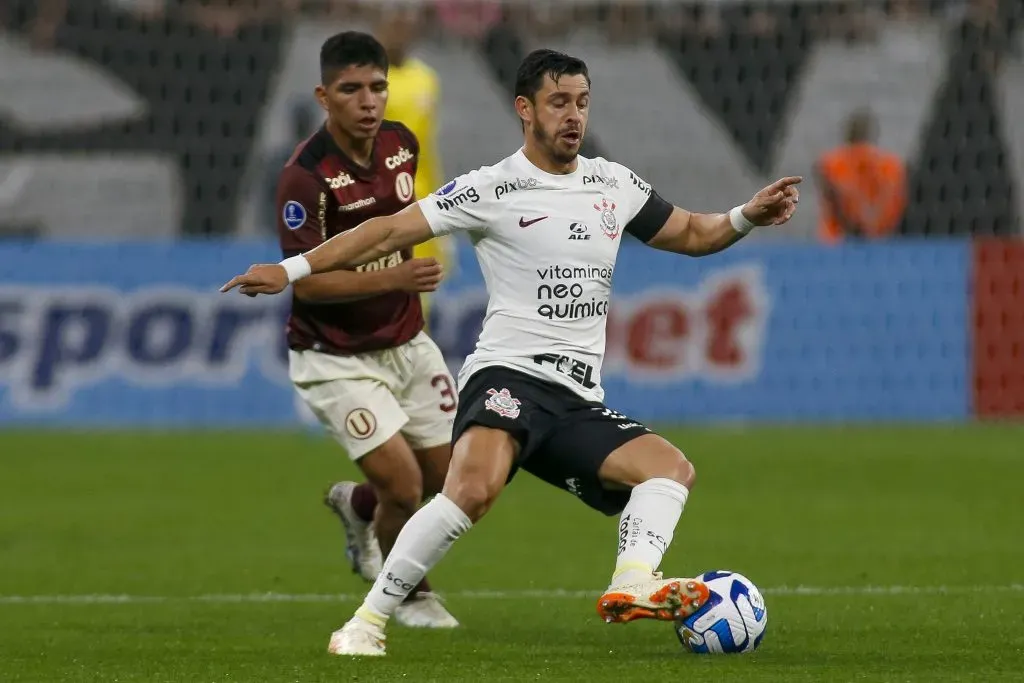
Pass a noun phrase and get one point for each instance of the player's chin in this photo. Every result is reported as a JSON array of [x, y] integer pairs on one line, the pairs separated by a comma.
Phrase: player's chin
[[567, 150]]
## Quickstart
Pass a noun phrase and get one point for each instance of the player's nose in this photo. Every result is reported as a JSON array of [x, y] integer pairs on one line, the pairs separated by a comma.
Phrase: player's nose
[[367, 100]]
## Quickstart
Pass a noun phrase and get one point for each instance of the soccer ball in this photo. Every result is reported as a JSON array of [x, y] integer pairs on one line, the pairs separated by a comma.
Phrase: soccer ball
[[733, 620]]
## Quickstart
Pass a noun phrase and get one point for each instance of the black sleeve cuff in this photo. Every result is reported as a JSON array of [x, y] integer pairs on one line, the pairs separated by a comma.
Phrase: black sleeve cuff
[[651, 218]]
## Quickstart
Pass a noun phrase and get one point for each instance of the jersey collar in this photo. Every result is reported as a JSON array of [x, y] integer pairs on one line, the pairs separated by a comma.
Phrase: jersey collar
[[525, 161]]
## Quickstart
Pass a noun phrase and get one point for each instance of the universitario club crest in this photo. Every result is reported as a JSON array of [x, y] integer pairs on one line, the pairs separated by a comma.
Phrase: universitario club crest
[[609, 224], [502, 403]]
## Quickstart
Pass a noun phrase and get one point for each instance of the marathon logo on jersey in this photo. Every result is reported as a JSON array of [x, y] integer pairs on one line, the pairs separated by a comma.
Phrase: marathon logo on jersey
[[566, 300], [381, 263], [403, 156], [576, 370], [339, 181], [607, 181], [502, 403], [293, 215], [360, 204], [466, 195], [510, 186]]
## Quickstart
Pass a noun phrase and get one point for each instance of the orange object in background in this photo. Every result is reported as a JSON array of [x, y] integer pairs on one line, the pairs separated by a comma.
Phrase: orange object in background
[[866, 187]]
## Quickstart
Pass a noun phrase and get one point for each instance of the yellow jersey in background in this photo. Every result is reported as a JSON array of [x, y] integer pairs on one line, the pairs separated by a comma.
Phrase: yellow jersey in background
[[414, 90]]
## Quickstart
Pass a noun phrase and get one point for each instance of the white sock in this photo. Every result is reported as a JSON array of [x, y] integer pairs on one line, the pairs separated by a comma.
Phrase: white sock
[[421, 544], [646, 528]]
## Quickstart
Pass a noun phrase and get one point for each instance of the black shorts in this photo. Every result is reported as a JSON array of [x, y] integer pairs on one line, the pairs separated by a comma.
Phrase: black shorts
[[563, 438]]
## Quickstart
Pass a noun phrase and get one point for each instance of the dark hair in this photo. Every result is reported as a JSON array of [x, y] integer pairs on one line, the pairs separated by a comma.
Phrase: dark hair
[[541, 63], [860, 126], [350, 48]]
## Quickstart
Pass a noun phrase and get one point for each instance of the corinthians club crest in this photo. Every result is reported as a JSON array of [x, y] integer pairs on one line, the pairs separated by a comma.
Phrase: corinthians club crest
[[502, 403], [609, 224]]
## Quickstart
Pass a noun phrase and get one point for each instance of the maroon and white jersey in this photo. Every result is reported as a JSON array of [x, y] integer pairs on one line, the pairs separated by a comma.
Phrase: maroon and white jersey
[[321, 193]]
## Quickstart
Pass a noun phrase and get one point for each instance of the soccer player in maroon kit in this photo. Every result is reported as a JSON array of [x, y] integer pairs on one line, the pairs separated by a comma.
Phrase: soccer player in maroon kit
[[358, 356]]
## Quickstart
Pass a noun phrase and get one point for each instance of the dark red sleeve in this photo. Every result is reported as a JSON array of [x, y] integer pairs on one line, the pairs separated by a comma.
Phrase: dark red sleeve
[[301, 211]]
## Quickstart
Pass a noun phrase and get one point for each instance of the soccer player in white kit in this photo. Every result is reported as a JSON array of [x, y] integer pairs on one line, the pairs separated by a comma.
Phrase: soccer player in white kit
[[546, 225]]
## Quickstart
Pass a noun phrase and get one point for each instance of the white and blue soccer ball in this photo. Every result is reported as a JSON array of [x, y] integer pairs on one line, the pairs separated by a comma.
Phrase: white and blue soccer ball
[[733, 620]]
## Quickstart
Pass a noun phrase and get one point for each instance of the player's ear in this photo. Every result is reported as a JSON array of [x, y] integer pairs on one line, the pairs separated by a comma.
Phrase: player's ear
[[321, 96], [524, 107]]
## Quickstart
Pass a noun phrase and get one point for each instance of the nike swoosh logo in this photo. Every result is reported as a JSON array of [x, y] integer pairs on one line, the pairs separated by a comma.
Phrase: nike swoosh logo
[[396, 595], [523, 223]]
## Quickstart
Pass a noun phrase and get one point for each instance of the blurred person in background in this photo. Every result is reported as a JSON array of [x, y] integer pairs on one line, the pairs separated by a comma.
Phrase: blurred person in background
[[863, 187], [413, 94], [37, 19], [468, 19]]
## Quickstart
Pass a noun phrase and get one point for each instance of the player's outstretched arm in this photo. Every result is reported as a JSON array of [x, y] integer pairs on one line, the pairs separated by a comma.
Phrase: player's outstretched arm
[[699, 234], [370, 240]]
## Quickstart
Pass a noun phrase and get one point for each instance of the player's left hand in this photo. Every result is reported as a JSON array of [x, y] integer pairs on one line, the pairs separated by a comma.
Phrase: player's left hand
[[775, 204], [262, 278]]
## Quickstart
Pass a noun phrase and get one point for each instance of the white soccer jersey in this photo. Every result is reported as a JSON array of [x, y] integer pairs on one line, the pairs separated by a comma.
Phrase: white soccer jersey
[[547, 246]]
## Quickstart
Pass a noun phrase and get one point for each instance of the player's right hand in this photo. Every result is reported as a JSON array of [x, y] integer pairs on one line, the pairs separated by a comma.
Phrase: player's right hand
[[419, 275], [262, 278]]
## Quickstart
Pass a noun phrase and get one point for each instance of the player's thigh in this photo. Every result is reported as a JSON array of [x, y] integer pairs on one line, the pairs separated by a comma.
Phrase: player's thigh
[[649, 456], [482, 461], [394, 472], [361, 414], [429, 397], [500, 415], [575, 457]]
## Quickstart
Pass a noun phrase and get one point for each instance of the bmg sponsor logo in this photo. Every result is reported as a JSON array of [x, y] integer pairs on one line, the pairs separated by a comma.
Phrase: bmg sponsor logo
[[467, 195]]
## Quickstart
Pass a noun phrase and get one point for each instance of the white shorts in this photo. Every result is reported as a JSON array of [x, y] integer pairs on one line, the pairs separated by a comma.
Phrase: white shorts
[[365, 399]]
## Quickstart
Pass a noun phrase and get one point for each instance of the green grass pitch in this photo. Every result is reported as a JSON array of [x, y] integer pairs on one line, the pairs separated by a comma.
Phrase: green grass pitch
[[908, 543]]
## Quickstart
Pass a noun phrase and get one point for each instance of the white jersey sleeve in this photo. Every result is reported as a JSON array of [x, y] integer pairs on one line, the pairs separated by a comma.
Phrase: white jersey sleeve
[[462, 204], [644, 210]]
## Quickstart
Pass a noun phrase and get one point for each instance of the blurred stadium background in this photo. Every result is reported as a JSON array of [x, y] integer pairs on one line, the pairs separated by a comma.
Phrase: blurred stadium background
[[151, 445]]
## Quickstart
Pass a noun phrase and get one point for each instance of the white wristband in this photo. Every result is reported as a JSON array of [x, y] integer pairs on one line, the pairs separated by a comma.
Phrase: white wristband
[[297, 267], [740, 223]]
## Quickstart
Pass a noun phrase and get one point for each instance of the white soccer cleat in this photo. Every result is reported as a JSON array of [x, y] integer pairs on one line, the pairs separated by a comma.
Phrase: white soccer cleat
[[425, 610], [358, 638], [662, 599], [361, 546]]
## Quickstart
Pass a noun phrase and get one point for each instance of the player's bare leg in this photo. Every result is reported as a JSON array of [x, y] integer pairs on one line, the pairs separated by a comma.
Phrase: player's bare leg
[[660, 478], [393, 471], [481, 461]]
